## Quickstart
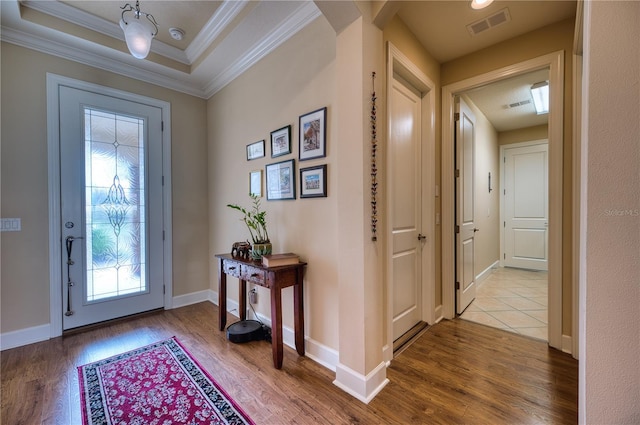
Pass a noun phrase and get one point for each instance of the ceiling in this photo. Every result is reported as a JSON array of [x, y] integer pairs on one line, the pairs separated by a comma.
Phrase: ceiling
[[225, 38]]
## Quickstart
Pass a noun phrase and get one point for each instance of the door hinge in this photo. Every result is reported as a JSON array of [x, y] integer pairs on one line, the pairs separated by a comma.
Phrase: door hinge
[[164, 289], [162, 180], [161, 125], [504, 256], [457, 285], [457, 229], [457, 173], [456, 116], [504, 224], [163, 235]]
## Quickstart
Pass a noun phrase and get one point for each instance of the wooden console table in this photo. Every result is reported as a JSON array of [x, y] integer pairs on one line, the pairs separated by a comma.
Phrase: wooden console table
[[274, 278]]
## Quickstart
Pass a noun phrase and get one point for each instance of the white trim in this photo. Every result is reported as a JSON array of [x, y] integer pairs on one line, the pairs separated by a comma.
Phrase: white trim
[[398, 62], [25, 336], [194, 298], [364, 388], [304, 15], [222, 17], [121, 62], [113, 61], [321, 354], [486, 272], [555, 63], [53, 145]]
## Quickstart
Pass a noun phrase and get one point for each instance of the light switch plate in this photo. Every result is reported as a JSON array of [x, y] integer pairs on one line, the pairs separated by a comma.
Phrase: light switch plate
[[10, 225]]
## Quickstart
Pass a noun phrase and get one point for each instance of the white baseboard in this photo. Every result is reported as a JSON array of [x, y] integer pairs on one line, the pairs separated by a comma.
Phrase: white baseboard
[[364, 388], [325, 356], [487, 272], [26, 336], [194, 298]]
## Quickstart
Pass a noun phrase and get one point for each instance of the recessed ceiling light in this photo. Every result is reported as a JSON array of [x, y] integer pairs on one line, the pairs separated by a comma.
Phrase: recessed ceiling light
[[480, 4]]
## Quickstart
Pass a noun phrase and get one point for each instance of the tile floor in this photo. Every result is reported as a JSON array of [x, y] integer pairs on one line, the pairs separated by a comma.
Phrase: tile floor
[[514, 300]]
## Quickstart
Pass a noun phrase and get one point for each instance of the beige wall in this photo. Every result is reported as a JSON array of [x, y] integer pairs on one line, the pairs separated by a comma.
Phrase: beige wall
[[25, 256], [610, 287], [487, 205], [538, 132], [552, 38], [296, 78]]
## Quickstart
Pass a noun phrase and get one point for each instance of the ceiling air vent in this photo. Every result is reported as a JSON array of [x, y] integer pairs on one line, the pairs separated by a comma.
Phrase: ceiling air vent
[[516, 104], [489, 22]]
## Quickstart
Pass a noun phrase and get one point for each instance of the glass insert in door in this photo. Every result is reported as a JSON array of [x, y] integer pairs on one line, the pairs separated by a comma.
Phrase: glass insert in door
[[115, 213]]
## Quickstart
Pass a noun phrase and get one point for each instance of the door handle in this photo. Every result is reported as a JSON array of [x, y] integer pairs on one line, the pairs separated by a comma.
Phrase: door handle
[[421, 237], [475, 230]]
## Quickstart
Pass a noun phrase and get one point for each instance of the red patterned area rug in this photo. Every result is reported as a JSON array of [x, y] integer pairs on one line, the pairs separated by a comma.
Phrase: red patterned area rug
[[160, 384]]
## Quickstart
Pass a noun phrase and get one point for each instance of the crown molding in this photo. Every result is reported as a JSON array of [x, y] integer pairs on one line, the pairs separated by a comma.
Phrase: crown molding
[[299, 19], [222, 17], [109, 60]]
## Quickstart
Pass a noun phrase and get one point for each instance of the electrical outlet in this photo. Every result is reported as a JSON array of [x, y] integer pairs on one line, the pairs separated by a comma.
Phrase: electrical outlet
[[253, 296]]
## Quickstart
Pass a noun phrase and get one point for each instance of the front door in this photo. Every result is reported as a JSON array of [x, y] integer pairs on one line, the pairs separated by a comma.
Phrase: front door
[[405, 215], [111, 207], [465, 207], [526, 206]]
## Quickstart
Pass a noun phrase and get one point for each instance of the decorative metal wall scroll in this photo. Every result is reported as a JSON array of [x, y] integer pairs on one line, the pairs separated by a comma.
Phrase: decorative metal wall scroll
[[374, 168]]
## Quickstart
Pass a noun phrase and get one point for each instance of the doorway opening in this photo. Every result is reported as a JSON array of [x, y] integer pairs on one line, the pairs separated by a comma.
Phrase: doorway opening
[[554, 64], [508, 180]]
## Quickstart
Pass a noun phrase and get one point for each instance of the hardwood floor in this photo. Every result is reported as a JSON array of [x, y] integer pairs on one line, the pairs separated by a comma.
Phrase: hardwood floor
[[456, 372]]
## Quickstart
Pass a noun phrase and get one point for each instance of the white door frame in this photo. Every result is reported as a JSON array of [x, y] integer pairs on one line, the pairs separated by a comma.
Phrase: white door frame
[[53, 146], [398, 63], [555, 63], [502, 176]]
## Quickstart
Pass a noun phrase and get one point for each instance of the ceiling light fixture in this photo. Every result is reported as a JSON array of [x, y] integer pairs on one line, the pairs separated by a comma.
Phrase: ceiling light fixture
[[540, 95], [480, 4], [138, 33]]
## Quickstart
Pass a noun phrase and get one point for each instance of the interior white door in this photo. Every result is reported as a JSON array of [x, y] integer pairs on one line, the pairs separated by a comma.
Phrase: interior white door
[[465, 206], [111, 207], [405, 216], [526, 206]]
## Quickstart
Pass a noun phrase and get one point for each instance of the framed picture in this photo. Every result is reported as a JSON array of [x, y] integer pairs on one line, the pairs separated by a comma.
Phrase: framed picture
[[313, 128], [313, 182], [255, 150], [281, 141], [281, 180], [255, 183]]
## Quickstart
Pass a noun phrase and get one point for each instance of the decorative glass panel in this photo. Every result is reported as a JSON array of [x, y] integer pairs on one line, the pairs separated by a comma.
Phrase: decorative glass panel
[[115, 215]]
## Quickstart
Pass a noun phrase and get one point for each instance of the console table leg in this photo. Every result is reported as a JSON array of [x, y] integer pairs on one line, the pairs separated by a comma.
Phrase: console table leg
[[222, 296], [298, 313], [242, 300], [276, 327]]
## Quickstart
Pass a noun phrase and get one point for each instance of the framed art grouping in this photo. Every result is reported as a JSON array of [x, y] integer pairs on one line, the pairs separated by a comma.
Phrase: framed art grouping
[[255, 150], [281, 141], [255, 183], [281, 180], [313, 182], [313, 128]]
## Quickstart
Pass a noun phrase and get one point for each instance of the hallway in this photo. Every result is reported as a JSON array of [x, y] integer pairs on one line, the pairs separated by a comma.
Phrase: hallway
[[514, 300]]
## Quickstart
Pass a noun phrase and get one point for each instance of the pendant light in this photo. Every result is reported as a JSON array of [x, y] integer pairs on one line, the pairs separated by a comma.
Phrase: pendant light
[[138, 33]]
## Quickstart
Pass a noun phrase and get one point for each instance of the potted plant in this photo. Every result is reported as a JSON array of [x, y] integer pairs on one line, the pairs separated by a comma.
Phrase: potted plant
[[256, 222]]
